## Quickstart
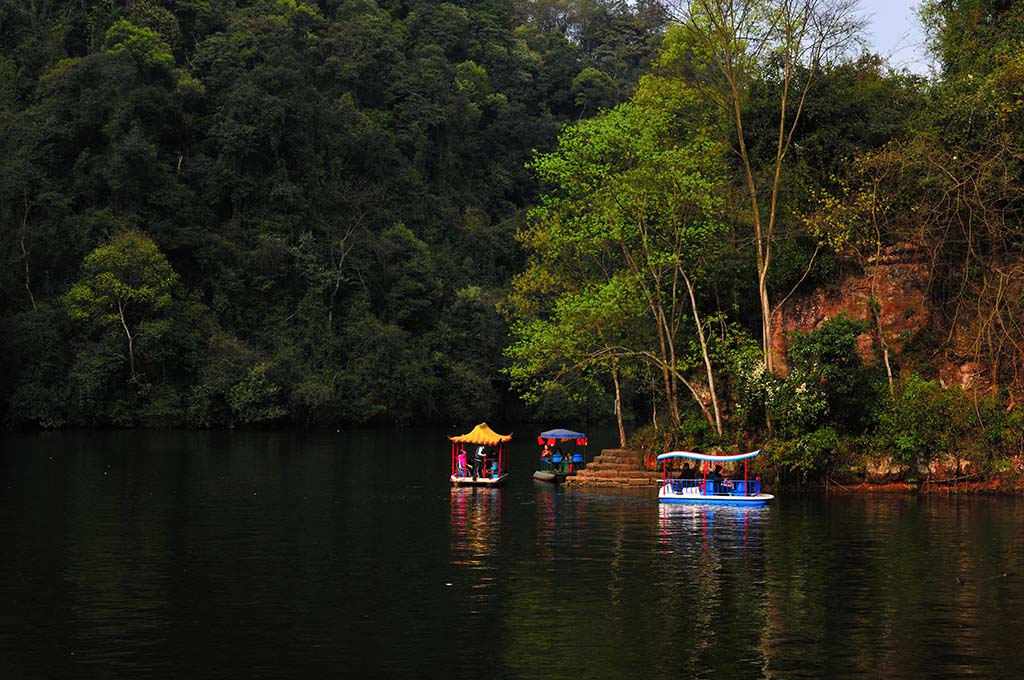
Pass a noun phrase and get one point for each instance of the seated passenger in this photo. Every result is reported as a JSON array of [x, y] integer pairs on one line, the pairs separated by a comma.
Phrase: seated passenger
[[687, 472], [716, 478]]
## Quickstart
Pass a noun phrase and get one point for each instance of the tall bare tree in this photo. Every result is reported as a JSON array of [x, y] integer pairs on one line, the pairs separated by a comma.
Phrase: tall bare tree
[[788, 42]]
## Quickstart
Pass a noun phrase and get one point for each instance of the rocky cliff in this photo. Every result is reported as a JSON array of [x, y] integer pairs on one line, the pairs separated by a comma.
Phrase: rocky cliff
[[897, 280]]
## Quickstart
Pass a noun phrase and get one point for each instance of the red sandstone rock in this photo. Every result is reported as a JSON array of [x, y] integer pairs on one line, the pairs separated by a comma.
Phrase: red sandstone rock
[[897, 281]]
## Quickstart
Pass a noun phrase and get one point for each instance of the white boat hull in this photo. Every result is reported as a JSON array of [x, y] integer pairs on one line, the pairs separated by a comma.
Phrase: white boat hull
[[692, 495], [479, 481]]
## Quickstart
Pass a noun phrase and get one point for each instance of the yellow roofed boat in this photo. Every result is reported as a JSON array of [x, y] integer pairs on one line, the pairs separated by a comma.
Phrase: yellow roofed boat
[[480, 457]]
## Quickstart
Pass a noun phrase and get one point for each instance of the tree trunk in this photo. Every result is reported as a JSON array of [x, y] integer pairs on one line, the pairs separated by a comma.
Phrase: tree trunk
[[28, 287], [131, 340], [618, 403], [876, 314], [704, 353], [24, 255]]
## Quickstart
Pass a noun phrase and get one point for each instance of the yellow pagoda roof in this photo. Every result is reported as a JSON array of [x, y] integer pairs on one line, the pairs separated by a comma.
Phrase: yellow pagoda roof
[[482, 434]]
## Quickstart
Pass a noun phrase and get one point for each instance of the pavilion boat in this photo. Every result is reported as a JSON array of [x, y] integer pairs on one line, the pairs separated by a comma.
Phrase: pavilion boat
[[480, 457], [702, 490], [555, 464]]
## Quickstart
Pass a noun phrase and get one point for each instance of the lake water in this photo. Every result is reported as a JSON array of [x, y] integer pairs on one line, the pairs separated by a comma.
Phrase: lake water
[[348, 555]]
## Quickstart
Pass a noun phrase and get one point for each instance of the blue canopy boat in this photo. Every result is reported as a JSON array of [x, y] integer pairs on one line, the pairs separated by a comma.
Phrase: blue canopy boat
[[702, 487], [555, 464]]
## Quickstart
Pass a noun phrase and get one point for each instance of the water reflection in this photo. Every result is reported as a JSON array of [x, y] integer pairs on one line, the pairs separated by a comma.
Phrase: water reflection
[[275, 556], [560, 521], [475, 524], [682, 520], [711, 571]]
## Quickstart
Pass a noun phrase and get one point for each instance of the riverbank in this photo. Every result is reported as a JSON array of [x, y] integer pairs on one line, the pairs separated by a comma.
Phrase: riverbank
[[631, 469], [985, 487]]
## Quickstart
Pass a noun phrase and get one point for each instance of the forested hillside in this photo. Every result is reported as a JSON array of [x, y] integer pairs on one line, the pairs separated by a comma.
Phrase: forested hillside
[[221, 212], [226, 213]]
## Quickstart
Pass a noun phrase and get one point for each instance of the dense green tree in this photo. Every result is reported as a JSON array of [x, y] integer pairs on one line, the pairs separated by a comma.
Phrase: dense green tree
[[619, 237], [124, 289]]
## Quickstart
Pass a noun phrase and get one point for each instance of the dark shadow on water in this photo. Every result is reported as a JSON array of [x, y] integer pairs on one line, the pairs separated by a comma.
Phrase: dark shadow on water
[[269, 555]]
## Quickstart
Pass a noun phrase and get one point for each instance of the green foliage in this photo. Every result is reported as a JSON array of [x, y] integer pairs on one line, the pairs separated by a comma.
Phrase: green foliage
[[825, 395], [917, 423], [328, 179], [122, 284], [141, 44], [37, 366], [593, 90], [922, 422], [807, 453], [829, 358], [791, 406], [630, 214], [253, 399]]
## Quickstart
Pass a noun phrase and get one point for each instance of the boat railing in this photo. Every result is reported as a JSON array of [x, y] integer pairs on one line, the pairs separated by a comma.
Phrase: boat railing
[[563, 463], [686, 486], [727, 487]]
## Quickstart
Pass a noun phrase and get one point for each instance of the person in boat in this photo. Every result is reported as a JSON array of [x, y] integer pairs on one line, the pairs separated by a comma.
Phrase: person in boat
[[479, 459], [545, 455], [687, 472], [460, 462], [716, 478]]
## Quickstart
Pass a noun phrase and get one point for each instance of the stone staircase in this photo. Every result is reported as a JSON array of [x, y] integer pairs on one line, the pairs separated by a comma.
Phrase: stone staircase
[[615, 467]]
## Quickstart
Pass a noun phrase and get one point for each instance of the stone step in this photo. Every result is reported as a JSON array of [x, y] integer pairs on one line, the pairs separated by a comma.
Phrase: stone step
[[624, 457], [618, 482], [619, 453], [625, 476], [618, 476], [612, 466], [616, 467]]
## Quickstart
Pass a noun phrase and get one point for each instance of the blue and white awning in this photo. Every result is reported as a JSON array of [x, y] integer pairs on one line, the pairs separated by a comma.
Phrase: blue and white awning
[[709, 456]]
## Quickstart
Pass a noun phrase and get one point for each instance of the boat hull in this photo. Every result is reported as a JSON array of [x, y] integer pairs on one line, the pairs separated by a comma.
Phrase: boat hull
[[666, 495], [479, 481], [739, 501], [550, 477]]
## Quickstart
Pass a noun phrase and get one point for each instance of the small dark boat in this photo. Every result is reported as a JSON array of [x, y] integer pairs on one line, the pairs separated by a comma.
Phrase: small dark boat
[[556, 465]]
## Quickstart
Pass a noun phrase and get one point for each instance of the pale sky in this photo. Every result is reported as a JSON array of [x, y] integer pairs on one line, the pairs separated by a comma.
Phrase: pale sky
[[895, 32]]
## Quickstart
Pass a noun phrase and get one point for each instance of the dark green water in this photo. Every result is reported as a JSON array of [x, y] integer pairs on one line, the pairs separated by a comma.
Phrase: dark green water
[[254, 555]]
